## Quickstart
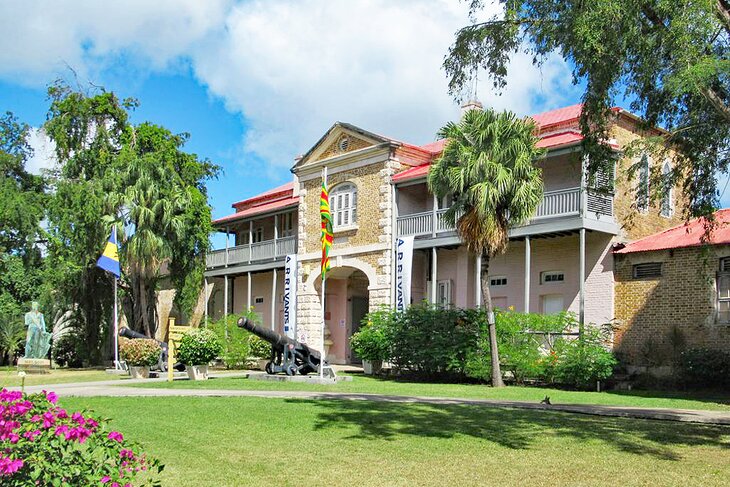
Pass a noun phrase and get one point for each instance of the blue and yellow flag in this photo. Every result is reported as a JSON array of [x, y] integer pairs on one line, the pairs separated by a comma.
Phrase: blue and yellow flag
[[109, 260]]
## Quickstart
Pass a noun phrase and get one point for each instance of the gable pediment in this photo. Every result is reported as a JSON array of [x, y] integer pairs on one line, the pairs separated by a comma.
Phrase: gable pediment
[[340, 139]]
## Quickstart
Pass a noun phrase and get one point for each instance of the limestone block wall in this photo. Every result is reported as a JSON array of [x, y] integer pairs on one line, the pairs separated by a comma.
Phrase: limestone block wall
[[658, 317]]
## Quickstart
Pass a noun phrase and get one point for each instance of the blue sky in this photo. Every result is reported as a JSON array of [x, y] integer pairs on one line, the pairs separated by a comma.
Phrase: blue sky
[[256, 83]]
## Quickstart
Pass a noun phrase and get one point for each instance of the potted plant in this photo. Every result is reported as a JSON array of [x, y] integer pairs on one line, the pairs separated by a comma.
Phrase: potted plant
[[140, 354], [196, 349], [372, 345]]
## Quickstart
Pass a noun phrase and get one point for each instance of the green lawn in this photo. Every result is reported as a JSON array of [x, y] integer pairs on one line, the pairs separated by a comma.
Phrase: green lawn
[[257, 441], [362, 384], [9, 376]]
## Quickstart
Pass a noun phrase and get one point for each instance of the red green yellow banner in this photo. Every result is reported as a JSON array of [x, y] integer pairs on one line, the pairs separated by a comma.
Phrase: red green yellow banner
[[327, 235]]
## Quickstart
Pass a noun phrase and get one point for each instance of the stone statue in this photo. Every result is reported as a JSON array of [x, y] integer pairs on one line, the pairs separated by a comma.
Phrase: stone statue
[[38, 340]]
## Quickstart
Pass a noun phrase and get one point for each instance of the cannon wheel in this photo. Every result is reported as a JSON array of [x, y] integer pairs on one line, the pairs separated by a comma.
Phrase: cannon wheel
[[269, 368], [291, 370]]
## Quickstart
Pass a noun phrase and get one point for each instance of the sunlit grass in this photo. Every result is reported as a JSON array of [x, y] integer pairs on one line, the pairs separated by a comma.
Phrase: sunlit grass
[[258, 441], [369, 385]]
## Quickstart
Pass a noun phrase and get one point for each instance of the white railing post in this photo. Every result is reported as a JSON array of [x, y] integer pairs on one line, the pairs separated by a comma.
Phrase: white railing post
[[276, 232], [250, 239]]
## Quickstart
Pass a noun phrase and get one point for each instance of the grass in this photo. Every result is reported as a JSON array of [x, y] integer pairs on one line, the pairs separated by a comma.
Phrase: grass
[[369, 385], [256, 441], [9, 377]]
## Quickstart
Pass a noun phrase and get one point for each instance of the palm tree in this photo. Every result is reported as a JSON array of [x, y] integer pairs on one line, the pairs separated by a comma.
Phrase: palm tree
[[487, 168]]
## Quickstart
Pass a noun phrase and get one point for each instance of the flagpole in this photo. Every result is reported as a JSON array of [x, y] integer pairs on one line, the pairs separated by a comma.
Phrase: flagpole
[[324, 281], [116, 328]]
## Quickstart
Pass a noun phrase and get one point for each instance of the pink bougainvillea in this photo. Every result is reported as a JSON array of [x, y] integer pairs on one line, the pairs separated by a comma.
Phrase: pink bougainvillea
[[67, 449]]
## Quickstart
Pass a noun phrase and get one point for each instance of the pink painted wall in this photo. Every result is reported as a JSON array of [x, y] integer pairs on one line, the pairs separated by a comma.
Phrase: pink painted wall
[[549, 254], [261, 287], [337, 305]]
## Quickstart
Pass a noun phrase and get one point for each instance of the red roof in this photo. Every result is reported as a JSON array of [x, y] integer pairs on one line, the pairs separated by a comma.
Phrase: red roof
[[555, 117], [264, 208], [284, 188], [689, 234], [412, 173], [555, 140]]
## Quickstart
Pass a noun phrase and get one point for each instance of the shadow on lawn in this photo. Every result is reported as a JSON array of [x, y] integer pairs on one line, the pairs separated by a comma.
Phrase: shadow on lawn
[[512, 428]]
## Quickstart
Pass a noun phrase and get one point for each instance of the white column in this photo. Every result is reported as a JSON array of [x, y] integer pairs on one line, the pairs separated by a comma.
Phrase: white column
[[276, 233], [226, 246], [225, 296], [273, 300], [434, 274], [248, 293], [478, 281], [205, 297], [528, 270], [433, 216], [582, 277], [250, 239]]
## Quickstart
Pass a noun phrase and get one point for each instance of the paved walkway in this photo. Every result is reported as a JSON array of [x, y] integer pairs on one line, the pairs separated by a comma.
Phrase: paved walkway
[[115, 389]]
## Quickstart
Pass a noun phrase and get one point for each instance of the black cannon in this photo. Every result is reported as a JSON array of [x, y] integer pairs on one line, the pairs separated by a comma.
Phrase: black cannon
[[162, 364], [287, 355]]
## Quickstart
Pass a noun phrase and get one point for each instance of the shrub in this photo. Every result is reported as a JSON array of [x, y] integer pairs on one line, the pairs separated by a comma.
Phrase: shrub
[[373, 341], [704, 367], [66, 351], [43, 444], [584, 361], [140, 352], [239, 346], [198, 347]]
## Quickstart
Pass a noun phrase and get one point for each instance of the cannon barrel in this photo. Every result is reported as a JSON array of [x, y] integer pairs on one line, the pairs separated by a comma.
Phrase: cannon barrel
[[287, 355], [129, 333], [277, 340]]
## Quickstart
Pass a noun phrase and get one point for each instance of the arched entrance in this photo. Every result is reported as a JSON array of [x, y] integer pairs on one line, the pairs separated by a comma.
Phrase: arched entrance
[[346, 304]]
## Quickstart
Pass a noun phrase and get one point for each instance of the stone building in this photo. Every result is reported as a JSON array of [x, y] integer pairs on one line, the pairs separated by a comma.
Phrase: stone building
[[673, 293], [560, 260]]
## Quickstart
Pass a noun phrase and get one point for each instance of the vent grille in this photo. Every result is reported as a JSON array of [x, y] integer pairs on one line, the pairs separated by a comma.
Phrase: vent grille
[[647, 270]]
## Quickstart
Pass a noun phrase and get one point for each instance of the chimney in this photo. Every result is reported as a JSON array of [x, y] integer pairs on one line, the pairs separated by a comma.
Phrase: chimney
[[471, 105]]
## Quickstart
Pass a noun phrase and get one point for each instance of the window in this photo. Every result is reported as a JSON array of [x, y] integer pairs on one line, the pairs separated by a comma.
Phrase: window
[[647, 270], [497, 281], [258, 300], [552, 303], [445, 202], [286, 225], [257, 235], [723, 291], [551, 276], [642, 191], [443, 294], [343, 204], [668, 190]]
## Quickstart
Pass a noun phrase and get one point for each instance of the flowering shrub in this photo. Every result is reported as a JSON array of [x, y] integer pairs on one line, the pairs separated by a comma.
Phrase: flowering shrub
[[198, 347], [43, 444], [140, 352]]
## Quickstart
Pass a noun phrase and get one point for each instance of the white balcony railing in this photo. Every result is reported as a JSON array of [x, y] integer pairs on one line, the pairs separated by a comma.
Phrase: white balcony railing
[[555, 204], [256, 252]]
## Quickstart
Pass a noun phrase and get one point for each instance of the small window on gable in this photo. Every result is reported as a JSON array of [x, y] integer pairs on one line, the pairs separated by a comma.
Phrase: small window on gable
[[667, 191], [647, 270], [642, 190], [551, 276], [498, 281], [723, 291]]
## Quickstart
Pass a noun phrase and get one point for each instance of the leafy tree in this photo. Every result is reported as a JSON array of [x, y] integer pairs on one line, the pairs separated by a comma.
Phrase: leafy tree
[[22, 198], [670, 57], [487, 167], [162, 189], [112, 172], [87, 130]]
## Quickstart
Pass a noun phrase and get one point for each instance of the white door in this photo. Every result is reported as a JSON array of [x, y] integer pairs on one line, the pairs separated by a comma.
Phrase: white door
[[552, 303]]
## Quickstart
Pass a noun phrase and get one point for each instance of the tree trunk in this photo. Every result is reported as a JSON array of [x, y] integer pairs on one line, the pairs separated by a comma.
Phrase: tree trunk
[[487, 302]]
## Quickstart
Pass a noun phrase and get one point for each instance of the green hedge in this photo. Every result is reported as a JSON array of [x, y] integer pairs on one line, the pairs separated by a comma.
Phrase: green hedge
[[439, 343]]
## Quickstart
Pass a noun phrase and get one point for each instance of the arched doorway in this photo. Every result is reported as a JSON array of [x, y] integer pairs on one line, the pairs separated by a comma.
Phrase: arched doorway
[[346, 304]]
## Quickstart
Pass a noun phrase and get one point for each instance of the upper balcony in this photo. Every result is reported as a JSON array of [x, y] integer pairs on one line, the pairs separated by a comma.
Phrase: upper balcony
[[567, 205], [260, 242], [266, 250]]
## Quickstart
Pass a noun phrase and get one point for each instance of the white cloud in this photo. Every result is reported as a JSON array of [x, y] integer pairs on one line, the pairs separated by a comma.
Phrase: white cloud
[[43, 152], [292, 68]]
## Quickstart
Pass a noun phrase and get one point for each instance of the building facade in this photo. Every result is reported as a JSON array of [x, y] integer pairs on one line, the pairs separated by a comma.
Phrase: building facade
[[561, 260]]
